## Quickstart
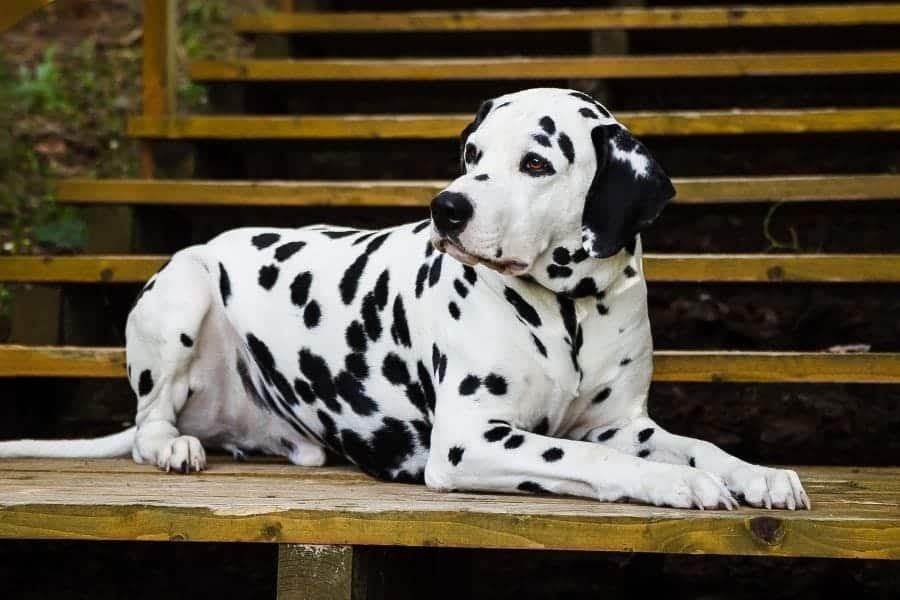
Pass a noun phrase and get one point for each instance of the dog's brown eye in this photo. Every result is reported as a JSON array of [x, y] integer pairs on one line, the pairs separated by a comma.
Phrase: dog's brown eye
[[535, 164]]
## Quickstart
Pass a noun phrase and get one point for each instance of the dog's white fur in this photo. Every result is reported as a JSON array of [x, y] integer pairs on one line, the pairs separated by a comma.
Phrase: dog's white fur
[[225, 348]]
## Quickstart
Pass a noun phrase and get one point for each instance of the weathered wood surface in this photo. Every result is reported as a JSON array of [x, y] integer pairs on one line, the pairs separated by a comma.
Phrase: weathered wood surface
[[574, 19], [726, 268], [422, 126], [315, 572], [550, 68], [158, 69], [701, 366], [856, 512], [699, 190]]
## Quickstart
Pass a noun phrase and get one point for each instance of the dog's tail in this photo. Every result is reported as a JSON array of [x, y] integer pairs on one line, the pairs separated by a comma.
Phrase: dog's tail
[[110, 446]]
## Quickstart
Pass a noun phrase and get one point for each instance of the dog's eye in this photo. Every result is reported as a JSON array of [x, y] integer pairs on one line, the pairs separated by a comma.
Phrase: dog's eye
[[536, 165]]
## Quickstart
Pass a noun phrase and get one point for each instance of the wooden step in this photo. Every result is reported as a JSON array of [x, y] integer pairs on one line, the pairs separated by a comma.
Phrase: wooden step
[[698, 366], [606, 67], [713, 122], [855, 512], [687, 268], [702, 190], [573, 19]]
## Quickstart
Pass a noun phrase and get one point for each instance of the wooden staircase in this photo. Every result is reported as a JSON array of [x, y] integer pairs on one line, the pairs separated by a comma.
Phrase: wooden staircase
[[824, 531]]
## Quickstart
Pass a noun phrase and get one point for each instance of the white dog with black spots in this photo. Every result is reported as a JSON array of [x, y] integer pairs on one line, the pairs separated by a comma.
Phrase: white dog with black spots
[[503, 345]]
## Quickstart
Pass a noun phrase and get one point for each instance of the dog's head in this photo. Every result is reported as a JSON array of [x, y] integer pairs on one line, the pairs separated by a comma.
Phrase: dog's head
[[542, 167]]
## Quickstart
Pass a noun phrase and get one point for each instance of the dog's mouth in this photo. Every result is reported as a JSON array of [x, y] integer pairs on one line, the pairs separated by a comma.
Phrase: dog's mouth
[[506, 267]]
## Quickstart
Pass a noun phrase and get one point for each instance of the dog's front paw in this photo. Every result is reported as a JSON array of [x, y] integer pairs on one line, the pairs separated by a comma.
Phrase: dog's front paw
[[767, 487], [684, 487], [183, 454]]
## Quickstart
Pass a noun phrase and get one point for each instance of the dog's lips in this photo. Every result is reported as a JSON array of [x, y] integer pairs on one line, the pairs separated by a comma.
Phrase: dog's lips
[[506, 267]]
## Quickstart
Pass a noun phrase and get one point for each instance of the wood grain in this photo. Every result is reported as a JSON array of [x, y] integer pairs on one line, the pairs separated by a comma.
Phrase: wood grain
[[699, 190], [703, 366], [854, 514], [688, 268], [674, 123], [541, 20], [546, 69]]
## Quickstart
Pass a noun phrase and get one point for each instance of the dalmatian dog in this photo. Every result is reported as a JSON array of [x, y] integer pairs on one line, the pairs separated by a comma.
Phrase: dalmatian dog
[[501, 346]]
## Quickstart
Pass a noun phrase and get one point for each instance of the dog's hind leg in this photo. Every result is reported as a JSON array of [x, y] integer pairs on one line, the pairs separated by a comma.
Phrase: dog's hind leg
[[162, 340]]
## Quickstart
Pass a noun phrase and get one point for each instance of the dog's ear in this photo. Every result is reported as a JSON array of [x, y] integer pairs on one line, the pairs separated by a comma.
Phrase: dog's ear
[[469, 129], [627, 193]]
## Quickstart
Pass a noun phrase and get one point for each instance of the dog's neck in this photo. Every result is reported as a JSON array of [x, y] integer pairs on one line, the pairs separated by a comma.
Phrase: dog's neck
[[568, 270]]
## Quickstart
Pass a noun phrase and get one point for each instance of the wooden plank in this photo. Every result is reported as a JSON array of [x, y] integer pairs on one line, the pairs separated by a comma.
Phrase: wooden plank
[[676, 123], [706, 366], [582, 67], [688, 268], [862, 521], [701, 190], [158, 70], [571, 19], [315, 572]]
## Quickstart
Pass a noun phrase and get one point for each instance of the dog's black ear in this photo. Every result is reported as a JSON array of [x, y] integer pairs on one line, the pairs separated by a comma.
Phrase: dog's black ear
[[469, 129], [628, 192]]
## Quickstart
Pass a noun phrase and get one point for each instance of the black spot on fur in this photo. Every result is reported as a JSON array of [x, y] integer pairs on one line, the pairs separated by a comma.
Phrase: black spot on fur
[[470, 274], [454, 310], [565, 144], [394, 369], [355, 363], [376, 243], [264, 240], [442, 368], [460, 288], [525, 310], [469, 385], [645, 434], [588, 113], [602, 309], [312, 314], [590, 100], [495, 384], [420, 279], [285, 251], [692, 462], [542, 139], [504, 421], [300, 288], [542, 427], [606, 435], [288, 444], [335, 235], [268, 275], [145, 383], [514, 441], [429, 248], [416, 396], [363, 238], [370, 317], [224, 284], [435, 357], [350, 280], [301, 386], [602, 395], [423, 431], [557, 272], [455, 455], [643, 453], [356, 337], [553, 454], [400, 328], [427, 385], [434, 275], [315, 369], [381, 290], [530, 486], [580, 255], [472, 155], [561, 256], [586, 287], [539, 344], [548, 125], [352, 391], [495, 434], [186, 340], [265, 361], [624, 361], [482, 177], [421, 226], [629, 271]]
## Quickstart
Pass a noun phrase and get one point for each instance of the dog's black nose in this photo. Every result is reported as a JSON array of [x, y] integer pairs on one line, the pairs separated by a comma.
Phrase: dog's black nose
[[450, 212]]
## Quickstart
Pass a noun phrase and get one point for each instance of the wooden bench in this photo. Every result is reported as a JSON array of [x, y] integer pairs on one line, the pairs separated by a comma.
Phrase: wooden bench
[[339, 529]]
